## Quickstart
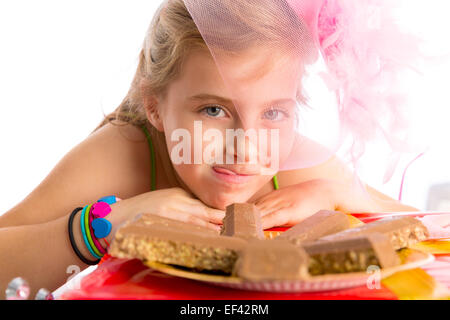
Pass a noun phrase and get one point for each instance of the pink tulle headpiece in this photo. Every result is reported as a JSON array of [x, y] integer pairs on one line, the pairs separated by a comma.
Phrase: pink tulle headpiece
[[363, 50]]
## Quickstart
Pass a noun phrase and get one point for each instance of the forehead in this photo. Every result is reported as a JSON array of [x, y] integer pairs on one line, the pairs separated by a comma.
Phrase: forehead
[[255, 75]]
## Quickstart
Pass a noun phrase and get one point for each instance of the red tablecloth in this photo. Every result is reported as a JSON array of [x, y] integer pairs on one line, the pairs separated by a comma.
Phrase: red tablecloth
[[122, 279], [130, 279]]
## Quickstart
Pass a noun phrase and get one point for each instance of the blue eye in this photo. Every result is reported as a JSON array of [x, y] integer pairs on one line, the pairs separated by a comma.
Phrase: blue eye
[[214, 111], [274, 115]]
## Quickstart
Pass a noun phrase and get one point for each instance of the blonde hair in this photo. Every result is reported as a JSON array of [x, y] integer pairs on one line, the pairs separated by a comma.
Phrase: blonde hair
[[173, 33]]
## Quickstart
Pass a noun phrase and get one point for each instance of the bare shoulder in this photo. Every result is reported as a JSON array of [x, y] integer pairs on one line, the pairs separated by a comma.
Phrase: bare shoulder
[[112, 160]]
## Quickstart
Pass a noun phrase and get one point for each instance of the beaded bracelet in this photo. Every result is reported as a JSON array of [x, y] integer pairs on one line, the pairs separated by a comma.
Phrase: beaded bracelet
[[90, 232], [93, 227], [109, 199], [72, 239], [84, 231], [96, 246], [101, 209], [100, 228]]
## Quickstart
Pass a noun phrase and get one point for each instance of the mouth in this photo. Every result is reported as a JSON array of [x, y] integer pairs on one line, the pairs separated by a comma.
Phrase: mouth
[[233, 175]]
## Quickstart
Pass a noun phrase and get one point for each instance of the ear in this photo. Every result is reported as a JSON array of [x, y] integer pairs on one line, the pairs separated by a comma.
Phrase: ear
[[150, 104]]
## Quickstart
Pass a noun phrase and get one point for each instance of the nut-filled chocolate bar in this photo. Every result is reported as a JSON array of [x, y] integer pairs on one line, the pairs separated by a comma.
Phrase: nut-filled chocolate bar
[[149, 219], [242, 220], [240, 249], [271, 260], [401, 231], [351, 255], [153, 238], [321, 224]]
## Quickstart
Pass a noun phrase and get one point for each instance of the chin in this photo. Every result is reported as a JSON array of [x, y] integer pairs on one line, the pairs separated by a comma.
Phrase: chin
[[222, 199]]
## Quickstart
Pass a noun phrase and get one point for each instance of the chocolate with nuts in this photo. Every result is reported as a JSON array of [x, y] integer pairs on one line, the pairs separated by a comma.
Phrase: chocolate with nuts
[[242, 220], [321, 224], [272, 260], [401, 231], [351, 255], [154, 238]]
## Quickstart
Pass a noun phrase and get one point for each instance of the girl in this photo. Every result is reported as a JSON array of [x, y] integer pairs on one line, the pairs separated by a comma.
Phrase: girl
[[130, 154]]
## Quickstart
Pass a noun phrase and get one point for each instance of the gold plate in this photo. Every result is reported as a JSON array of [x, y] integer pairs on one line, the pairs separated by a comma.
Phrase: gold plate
[[410, 258]]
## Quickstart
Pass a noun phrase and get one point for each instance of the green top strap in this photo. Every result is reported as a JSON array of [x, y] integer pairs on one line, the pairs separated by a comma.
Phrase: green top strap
[[153, 164], [275, 182]]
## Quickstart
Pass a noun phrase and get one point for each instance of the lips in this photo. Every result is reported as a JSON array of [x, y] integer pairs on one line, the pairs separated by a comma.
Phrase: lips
[[236, 171], [233, 176]]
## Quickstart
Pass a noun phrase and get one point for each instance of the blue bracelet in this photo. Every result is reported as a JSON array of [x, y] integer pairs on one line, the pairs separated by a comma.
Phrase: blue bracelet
[[108, 199], [83, 232]]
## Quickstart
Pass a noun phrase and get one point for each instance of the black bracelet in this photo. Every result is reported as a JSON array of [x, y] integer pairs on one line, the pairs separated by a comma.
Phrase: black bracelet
[[72, 240]]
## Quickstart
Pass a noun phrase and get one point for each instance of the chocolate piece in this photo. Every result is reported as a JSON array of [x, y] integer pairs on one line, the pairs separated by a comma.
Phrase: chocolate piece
[[351, 255], [272, 260], [321, 224], [149, 219], [242, 220], [154, 238], [401, 231]]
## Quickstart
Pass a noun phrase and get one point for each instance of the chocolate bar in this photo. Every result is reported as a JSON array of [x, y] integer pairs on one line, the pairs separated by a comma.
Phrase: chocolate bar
[[153, 238], [149, 219], [401, 231], [351, 255], [271, 260], [321, 224], [242, 220]]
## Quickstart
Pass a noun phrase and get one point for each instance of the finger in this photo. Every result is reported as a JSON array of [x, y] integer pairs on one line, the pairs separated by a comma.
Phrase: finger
[[215, 215], [198, 208], [275, 219], [192, 219], [271, 207], [265, 199], [268, 209]]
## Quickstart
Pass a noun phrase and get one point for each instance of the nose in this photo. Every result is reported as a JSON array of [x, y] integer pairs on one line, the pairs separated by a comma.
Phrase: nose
[[242, 144]]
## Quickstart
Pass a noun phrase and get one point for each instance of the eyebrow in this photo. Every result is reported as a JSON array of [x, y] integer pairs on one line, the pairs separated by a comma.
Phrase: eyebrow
[[207, 96]]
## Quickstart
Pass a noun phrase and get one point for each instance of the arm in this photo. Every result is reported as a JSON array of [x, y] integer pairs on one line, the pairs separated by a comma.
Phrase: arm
[[335, 171], [42, 253], [113, 160], [387, 204], [329, 186]]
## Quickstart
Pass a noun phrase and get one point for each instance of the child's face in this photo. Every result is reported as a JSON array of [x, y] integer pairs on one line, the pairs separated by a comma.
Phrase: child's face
[[200, 95]]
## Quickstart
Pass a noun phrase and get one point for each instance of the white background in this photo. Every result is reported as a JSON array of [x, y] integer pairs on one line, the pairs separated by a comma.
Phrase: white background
[[65, 63]]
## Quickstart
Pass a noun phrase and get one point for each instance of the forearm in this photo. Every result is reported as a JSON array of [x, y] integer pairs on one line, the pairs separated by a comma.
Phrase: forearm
[[385, 203], [352, 199], [41, 254], [393, 206]]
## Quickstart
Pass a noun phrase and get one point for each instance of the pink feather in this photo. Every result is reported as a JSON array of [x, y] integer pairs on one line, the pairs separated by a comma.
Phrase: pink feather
[[364, 51]]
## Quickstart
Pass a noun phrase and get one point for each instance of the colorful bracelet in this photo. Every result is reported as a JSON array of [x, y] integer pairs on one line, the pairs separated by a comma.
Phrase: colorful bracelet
[[90, 235], [84, 232], [101, 209], [72, 239], [109, 199], [97, 244], [94, 227]]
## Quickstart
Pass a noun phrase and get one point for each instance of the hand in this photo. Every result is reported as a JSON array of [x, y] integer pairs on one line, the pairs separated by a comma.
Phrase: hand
[[174, 203], [290, 205]]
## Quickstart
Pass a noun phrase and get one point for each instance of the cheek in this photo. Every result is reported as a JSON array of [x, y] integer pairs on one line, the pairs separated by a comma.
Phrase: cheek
[[281, 141], [175, 115], [188, 172], [287, 138]]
